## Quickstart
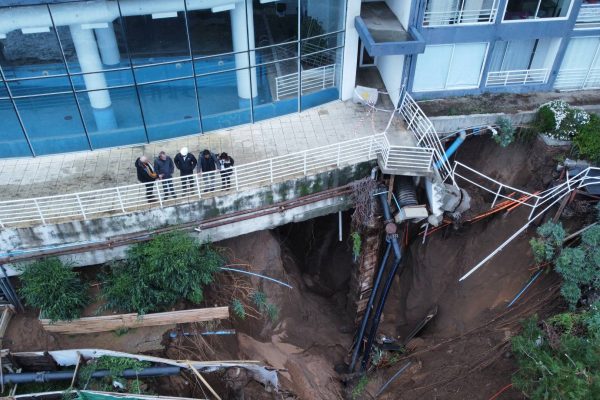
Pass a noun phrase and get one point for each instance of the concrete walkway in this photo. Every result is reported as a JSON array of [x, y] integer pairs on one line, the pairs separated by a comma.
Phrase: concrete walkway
[[76, 172]]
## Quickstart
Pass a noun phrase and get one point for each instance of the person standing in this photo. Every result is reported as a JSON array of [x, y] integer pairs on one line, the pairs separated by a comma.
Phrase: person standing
[[146, 174], [226, 163], [186, 163], [164, 168], [207, 168]]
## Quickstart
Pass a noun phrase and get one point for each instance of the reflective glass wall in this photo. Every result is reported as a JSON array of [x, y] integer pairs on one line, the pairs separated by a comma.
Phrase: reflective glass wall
[[104, 73]]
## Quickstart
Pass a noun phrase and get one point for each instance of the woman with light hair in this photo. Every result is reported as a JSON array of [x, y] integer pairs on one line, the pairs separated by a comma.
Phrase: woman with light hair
[[146, 174]]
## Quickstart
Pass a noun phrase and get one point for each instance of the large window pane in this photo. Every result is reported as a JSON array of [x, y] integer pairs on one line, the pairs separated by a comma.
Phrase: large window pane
[[89, 45], [163, 72], [3, 90], [12, 139], [216, 64], [211, 32], [432, 68], [321, 76], [112, 78], [317, 44], [117, 125], [53, 123], [322, 16], [157, 37], [466, 66], [35, 86], [220, 103], [170, 109], [275, 22], [30, 47], [277, 89], [530, 9]]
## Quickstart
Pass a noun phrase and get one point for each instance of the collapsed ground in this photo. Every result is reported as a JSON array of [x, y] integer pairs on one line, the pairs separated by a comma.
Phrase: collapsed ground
[[462, 353]]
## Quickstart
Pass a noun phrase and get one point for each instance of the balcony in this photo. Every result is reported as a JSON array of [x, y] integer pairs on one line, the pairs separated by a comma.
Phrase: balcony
[[445, 13], [578, 78], [589, 15], [518, 77], [382, 33]]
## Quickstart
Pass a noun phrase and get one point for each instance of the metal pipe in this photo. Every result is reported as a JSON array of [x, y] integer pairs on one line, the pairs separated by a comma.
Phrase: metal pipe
[[49, 376], [365, 319], [255, 274], [452, 149], [537, 275], [397, 374]]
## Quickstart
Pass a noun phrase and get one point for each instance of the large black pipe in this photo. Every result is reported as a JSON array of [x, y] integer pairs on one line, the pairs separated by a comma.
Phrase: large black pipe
[[388, 284], [365, 319], [48, 376]]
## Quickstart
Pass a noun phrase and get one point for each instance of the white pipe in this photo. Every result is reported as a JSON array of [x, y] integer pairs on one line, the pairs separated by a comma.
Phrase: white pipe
[[243, 40], [107, 43], [93, 12]]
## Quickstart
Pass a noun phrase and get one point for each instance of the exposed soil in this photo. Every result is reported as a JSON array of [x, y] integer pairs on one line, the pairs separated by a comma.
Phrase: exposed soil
[[504, 102]]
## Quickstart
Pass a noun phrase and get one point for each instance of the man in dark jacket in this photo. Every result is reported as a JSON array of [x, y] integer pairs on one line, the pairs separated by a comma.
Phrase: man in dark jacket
[[226, 162], [186, 163], [208, 169], [164, 168], [146, 174]]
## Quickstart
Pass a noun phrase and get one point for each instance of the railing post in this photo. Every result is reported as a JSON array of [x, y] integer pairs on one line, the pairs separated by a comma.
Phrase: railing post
[[324, 71], [235, 175], [338, 154], [537, 199], [1, 224], [371, 146], [39, 211], [271, 169], [120, 200], [158, 194], [496, 197], [305, 154], [81, 206], [197, 183]]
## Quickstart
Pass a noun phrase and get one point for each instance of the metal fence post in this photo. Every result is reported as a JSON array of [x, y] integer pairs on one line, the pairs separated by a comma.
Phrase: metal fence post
[[120, 200], [338, 154], [305, 154], [39, 211], [235, 175], [371, 146], [197, 183], [158, 194], [271, 169], [81, 206], [496, 197]]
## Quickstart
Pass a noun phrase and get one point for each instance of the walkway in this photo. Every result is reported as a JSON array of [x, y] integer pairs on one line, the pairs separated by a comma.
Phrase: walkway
[[75, 172]]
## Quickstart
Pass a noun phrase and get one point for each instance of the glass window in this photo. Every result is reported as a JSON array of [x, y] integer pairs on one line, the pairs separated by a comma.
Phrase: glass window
[[219, 63], [157, 37], [12, 139], [276, 90], [321, 76], [532, 9], [446, 67], [170, 109], [161, 72], [211, 32], [88, 45], [32, 50], [275, 22], [448, 12], [220, 103], [276, 53], [112, 78], [52, 123], [318, 44], [322, 16], [25, 87], [117, 125], [3, 90]]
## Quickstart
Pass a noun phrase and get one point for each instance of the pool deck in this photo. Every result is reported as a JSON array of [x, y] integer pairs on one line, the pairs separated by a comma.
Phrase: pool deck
[[78, 172]]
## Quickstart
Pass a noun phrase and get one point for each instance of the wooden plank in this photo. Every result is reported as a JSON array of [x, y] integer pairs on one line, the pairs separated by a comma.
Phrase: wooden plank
[[204, 381], [112, 322], [7, 313]]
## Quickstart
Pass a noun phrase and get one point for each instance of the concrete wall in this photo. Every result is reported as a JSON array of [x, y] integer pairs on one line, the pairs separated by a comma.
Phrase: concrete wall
[[391, 68], [350, 50], [18, 240]]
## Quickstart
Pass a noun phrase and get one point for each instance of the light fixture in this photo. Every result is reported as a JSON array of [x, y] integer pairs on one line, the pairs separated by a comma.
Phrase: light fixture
[[98, 25], [170, 14], [224, 7], [39, 29]]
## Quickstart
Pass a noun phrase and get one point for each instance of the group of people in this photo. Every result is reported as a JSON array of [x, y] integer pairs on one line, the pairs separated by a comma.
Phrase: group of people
[[164, 168]]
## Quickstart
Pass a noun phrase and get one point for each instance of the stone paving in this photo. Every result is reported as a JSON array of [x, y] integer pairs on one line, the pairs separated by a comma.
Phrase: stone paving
[[77, 172]]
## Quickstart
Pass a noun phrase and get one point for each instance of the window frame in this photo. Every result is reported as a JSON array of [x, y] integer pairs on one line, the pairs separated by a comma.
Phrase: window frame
[[536, 18]]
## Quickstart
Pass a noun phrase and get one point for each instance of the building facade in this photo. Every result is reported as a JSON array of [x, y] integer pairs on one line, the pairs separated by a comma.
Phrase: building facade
[[86, 75]]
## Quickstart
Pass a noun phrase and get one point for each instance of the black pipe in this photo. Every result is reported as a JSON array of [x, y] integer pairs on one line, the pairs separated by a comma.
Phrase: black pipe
[[47, 376], [365, 319], [387, 286]]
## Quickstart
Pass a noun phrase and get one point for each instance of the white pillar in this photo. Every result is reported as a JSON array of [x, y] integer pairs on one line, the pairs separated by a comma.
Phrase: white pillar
[[91, 65], [107, 43], [350, 50], [242, 30]]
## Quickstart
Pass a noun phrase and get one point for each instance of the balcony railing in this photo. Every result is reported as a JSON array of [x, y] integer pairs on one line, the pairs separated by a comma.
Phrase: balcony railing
[[461, 16], [518, 77], [579, 78], [408, 158], [589, 16]]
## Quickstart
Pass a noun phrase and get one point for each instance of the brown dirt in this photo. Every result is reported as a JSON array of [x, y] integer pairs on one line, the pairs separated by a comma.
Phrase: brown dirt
[[504, 102]]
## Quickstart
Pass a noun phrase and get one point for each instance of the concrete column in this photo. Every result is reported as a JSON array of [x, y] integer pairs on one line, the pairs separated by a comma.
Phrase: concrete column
[[107, 43], [90, 63], [350, 51], [242, 29]]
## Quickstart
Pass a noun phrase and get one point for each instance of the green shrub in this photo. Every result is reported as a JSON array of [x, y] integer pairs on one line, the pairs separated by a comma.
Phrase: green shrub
[[561, 361], [54, 288], [238, 309], [115, 366], [559, 120], [587, 140], [356, 245], [158, 273], [506, 134]]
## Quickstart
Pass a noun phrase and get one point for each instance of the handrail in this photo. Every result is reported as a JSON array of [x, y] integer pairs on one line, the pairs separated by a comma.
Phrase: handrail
[[461, 16], [517, 77]]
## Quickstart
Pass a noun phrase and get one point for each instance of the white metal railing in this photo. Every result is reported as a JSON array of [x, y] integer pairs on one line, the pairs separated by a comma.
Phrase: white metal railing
[[314, 78], [461, 16], [424, 131], [578, 78], [589, 14], [517, 77], [125, 199], [418, 159]]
